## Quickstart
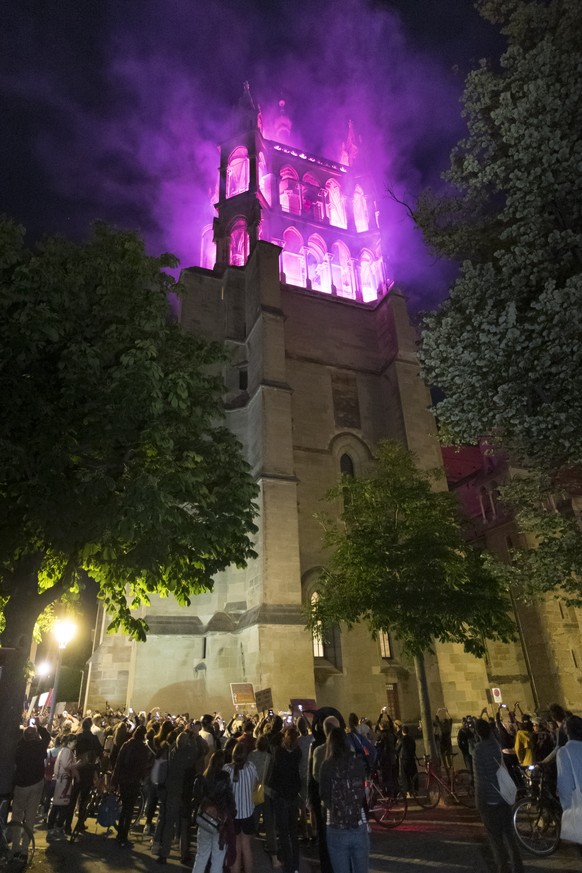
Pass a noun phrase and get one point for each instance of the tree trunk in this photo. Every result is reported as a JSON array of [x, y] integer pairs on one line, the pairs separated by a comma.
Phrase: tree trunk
[[21, 613], [425, 716]]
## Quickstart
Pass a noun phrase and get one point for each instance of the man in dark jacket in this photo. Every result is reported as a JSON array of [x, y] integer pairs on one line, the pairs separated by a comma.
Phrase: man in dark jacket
[[130, 770], [29, 779], [88, 752]]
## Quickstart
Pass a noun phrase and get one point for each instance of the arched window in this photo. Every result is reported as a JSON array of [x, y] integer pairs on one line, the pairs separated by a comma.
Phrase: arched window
[[289, 191], [486, 507], [370, 276], [312, 197], [361, 218], [208, 248], [238, 243], [237, 172], [317, 265], [336, 211], [292, 258], [326, 641], [341, 272], [264, 186], [347, 466]]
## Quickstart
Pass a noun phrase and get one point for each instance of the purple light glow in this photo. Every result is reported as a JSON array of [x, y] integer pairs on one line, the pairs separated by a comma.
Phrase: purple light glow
[[141, 150]]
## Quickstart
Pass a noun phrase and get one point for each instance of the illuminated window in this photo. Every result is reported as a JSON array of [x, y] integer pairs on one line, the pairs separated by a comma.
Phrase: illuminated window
[[317, 265], [317, 636], [370, 276], [293, 258], [385, 645], [289, 191], [336, 211], [360, 210], [264, 186], [208, 248], [312, 197], [238, 243], [237, 172], [341, 270]]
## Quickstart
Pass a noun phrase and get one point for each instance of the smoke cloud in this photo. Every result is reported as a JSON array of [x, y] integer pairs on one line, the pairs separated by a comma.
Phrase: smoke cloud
[[125, 111]]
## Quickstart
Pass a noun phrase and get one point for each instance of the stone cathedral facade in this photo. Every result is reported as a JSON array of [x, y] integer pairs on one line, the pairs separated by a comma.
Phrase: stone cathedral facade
[[323, 366]]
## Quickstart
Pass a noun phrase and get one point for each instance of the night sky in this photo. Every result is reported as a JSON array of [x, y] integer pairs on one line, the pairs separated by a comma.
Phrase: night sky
[[113, 110]]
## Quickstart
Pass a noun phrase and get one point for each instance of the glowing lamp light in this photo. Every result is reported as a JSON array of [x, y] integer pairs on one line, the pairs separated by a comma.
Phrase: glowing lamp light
[[64, 631], [43, 669]]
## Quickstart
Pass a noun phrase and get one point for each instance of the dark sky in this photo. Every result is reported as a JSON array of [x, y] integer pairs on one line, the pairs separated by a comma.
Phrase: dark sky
[[112, 110]]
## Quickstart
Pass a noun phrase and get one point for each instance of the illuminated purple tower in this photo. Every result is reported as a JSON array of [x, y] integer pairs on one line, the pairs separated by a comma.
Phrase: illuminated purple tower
[[321, 213]]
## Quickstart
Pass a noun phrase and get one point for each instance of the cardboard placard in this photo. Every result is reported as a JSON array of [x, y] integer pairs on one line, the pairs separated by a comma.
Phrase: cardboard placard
[[242, 693], [264, 700]]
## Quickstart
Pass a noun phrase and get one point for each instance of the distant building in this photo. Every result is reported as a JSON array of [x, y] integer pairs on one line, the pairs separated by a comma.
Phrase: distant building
[[323, 367]]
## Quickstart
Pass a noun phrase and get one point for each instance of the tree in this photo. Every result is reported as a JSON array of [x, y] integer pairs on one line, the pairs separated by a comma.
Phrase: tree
[[114, 459], [548, 560], [505, 348], [400, 564]]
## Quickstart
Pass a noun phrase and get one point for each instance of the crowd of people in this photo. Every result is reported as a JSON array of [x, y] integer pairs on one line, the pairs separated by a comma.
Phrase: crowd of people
[[292, 779]]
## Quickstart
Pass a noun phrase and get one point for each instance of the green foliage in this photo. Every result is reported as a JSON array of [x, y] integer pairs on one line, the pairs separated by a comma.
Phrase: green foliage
[[114, 461], [550, 557], [506, 346], [400, 563]]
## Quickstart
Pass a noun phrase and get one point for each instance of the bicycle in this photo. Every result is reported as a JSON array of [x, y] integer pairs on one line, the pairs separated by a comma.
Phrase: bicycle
[[96, 797], [388, 808], [12, 835], [537, 817], [428, 785]]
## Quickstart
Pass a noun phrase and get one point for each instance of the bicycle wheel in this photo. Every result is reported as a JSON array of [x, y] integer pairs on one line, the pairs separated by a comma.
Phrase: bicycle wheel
[[426, 790], [464, 790], [388, 810], [537, 827], [20, 842]]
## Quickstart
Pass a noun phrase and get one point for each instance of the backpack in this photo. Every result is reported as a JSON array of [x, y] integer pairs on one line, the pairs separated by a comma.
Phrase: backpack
[[108, 811], [365, 750], [347, 794]]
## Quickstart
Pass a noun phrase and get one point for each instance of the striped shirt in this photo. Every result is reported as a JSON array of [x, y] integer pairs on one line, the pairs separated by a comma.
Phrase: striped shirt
[[243, 788]]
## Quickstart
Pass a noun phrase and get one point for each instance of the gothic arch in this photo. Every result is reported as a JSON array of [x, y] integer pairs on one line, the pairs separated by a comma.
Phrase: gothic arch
[[327, 652], [237, 172], [370, 275], [238, 242], [357, 450], [336, 210], [289, 191], [341, 270], [317, 264], [293, 258], [361, 217]]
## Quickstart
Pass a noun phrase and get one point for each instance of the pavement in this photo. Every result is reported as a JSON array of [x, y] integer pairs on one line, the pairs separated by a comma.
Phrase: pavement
[[448, 839]]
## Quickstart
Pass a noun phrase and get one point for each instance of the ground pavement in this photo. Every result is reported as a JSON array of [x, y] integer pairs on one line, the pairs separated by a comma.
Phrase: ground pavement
[[448, 839]]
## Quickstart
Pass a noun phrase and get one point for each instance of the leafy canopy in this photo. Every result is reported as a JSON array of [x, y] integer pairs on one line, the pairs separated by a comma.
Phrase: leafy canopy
[[400, 563], [506, 346], [549, 557], [114, 460]]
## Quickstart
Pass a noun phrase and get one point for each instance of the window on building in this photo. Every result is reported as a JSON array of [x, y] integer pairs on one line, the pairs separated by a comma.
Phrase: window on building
[[361, 218], [264, 186], [341, 271], [317, 265], [208, 248], [238, 243], [243, 379], [347, 466], [237, 172], [289, 191], [293, 258], [370, 276], [385, 645], [336, 210]]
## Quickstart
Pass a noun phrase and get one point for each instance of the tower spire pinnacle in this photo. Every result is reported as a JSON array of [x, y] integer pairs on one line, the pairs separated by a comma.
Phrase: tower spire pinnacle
[[248, 112], [283, 124], [351, 146]]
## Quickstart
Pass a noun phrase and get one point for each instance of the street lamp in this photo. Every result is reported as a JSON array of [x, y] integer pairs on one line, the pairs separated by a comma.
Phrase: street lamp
[[64, 630]]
